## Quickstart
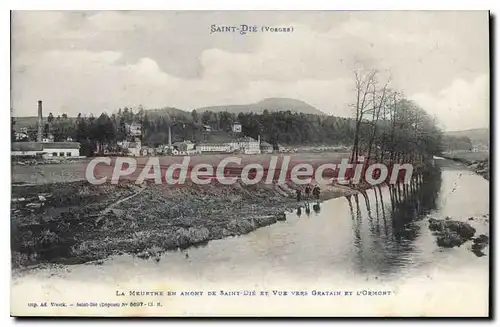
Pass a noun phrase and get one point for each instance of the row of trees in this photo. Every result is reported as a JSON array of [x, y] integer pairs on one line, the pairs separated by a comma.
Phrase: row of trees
[[457, 143], [284, 127], [389, 127]]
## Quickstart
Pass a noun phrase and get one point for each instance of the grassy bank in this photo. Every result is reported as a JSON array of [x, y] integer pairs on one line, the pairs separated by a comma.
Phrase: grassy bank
[[477, 161], [77, 222]]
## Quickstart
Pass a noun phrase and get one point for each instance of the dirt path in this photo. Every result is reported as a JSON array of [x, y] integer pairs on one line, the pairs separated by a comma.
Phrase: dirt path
[[113, 205]]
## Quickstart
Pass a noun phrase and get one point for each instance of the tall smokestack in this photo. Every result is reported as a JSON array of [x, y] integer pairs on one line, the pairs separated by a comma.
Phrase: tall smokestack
[[40, 121], [169, 136]]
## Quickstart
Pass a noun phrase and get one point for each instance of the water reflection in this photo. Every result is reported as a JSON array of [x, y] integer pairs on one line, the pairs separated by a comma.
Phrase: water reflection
[[307, 207], [316, 208], [388, 239]]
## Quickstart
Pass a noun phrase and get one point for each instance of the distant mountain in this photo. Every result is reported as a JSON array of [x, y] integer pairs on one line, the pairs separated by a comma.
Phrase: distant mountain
[[271, 104], [168, 111], [480, 137]]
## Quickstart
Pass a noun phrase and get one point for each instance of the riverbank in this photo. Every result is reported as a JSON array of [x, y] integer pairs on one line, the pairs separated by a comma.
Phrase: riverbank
[[77, 222], [384, 246], [479, 162]]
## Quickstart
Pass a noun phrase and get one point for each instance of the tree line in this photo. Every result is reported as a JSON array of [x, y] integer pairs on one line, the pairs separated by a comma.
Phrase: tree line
[[388, 126], [284, 127]]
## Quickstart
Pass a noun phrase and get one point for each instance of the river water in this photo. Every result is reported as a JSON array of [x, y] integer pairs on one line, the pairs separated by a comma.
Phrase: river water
[[378, 244]]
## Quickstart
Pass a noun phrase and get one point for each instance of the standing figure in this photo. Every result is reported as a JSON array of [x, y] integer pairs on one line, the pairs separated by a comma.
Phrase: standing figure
[[316, 191], [299, 195], [308, 192]]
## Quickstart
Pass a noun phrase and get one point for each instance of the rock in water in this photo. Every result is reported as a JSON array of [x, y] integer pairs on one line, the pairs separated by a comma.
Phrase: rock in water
[[449, 240], [435, 225], [479, 243], [466, 230], [482, 239], [451, 233], [478, 253]]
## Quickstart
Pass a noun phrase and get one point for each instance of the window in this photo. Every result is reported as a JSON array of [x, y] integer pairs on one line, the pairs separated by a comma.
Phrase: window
[[68, 154], [61, 154], [54, 154]]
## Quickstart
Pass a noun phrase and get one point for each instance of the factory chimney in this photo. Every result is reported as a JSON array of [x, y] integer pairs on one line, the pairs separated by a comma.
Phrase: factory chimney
[[40, 122], [169, 136]]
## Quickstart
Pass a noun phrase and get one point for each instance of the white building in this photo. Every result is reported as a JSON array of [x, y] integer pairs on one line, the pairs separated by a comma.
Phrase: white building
[[62, 149], [47, 149], [246, 145], [134, 129], [28, 149], [213, 147], [237, 127]]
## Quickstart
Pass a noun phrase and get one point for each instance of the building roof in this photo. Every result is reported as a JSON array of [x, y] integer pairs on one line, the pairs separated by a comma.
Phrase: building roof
[[27, 146], [183, 142], [61, 145], [245, 139], [212, 144], [40, 146]]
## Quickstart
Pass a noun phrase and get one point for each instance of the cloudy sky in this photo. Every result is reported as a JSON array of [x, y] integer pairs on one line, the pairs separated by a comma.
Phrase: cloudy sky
[[91, 62]]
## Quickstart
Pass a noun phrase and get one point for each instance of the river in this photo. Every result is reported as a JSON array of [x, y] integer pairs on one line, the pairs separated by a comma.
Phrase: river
[[374, 245]]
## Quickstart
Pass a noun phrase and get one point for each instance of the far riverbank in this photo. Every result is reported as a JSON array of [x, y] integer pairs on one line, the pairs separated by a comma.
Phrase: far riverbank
[[479, 162]]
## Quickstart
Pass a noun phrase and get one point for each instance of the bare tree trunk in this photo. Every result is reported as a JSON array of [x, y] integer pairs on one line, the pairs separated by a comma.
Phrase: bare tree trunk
[[363, 84]]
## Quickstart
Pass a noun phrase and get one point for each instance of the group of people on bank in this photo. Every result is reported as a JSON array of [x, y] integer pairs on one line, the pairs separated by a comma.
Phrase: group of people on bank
[[307, 192]]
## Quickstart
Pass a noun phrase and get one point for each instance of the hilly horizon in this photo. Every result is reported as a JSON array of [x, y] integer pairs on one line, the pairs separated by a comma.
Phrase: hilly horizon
[[478, 136], [274, 104], [271, 104]]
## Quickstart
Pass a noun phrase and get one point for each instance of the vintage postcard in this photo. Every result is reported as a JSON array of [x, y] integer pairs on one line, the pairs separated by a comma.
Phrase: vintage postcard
[[250, 163]]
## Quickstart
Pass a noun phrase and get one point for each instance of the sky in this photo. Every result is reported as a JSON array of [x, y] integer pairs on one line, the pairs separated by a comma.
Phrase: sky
[[90, 62]]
